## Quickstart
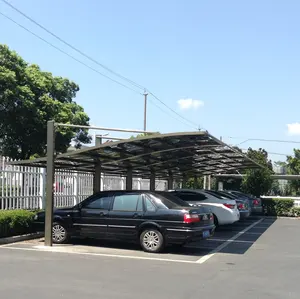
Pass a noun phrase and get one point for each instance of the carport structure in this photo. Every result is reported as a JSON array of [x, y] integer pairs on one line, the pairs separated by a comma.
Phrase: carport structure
[[165, 156]]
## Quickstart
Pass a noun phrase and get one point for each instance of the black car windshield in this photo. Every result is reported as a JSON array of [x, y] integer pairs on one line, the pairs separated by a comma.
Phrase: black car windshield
[[169, 200]]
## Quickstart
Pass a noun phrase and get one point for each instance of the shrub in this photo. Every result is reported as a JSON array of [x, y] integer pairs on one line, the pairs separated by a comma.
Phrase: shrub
[[15, 222], [278, 207], [295, 212]]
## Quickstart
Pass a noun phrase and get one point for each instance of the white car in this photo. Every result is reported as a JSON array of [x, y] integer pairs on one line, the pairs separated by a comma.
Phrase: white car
[[225, 210]]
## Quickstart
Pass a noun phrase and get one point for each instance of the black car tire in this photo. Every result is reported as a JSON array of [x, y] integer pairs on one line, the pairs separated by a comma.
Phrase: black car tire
[[60, 234], [152, 240], [216, 222]]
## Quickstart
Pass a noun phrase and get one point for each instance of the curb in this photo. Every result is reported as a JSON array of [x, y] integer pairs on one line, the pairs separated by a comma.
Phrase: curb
[[15, 239], [281, 217]]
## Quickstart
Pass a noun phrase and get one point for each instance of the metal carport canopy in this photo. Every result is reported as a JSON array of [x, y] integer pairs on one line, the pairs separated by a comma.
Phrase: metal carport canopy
[[176, 154]]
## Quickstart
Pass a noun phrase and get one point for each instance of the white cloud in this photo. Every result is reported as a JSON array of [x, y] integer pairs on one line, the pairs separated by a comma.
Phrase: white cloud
[[293, 129], [185, 104]]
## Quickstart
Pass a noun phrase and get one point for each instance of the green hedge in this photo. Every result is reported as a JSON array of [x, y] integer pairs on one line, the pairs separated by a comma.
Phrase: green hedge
[[280, 207], [16, 222]]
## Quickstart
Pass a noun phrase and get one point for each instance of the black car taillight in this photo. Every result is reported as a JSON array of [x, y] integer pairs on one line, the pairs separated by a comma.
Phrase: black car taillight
[[191, 218], [255, 202], [241, 206]]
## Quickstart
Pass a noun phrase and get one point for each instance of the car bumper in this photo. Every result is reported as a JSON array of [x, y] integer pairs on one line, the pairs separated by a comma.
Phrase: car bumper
[[245, 214], [39, 226], [184, 235], [257, 209], [229, 217]]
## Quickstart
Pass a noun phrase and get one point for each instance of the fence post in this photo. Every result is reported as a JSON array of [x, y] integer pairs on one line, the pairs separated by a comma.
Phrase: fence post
[[42, 189], [122, 183], [76, 182]]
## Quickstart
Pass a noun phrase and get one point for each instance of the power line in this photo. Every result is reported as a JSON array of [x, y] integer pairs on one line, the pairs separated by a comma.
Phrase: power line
[[62, 51], [160, 108], [88, 57], [172, 109], [265, 140], [71, 46]]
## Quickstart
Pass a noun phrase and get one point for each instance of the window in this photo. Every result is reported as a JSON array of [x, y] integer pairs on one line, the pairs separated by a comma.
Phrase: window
[[150, 207], [168, 200], [189, 196], [127, 202], [102, 203], [140, 207]]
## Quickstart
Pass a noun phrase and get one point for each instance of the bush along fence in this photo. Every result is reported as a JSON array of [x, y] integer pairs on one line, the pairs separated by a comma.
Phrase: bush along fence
[[25, 187], [280, 207], [18, 222]]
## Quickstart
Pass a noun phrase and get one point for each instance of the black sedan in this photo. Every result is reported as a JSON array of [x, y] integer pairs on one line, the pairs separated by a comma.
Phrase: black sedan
[[155, 219]]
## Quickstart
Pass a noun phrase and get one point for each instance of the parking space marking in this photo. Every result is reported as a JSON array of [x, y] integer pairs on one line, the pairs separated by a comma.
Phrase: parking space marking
[[40, 249], [231, 240], [250, 233], [6, 245], [222, 246]]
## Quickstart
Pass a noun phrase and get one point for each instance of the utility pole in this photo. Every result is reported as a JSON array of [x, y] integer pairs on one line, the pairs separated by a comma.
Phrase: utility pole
[[145, 110]]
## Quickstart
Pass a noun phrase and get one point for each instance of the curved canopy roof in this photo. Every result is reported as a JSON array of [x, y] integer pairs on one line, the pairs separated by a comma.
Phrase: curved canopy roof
[[177, 154]]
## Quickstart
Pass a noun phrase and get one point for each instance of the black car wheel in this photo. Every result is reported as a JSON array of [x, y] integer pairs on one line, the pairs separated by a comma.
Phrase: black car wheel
[[216, 222], [60, 234], [152, 240]]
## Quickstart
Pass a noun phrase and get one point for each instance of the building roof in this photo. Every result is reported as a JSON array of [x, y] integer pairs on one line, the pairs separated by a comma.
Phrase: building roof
[[179, 154]]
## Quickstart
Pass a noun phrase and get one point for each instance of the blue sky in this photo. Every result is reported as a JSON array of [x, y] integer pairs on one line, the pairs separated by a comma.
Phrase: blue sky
[[237, 62]]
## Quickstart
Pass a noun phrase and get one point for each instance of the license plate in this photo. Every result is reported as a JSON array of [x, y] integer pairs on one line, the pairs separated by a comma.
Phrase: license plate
[[206, 234]]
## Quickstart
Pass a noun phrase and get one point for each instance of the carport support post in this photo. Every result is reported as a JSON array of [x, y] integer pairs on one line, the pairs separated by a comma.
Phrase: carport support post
[[209, 182], [152, 181], [97, 178], [195, 182], [49, 182], [129, 179], [170, 181]]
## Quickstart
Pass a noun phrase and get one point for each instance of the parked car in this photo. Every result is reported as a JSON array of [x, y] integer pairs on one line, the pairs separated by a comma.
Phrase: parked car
[[255, 202], [242, 202], [224, 211], [152, 218]]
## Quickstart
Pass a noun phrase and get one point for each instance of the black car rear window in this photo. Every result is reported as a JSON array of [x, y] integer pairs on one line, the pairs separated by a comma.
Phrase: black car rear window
[[169, 200]]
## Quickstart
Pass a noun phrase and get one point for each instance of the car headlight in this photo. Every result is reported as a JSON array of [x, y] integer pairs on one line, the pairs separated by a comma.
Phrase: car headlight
[[36, 217]]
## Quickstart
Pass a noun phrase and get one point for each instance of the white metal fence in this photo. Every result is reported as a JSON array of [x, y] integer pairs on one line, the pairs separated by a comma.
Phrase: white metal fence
[[25, 187]]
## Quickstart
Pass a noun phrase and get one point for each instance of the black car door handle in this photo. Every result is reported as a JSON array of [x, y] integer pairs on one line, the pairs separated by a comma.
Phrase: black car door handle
[[102, 214]]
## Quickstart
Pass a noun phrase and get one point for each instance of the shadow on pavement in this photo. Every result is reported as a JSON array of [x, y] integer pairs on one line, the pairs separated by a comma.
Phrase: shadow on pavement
[[239, 245]]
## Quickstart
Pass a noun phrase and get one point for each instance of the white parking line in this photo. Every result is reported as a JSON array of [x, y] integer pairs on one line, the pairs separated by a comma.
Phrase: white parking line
[[104, 255], [5, 245], [222, 246], [231, 240]]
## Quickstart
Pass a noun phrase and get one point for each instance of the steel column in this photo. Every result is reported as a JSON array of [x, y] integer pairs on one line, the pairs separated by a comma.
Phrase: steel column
[[129, 179], [170, 181], [97, 178], [49, 182], [152, 181]]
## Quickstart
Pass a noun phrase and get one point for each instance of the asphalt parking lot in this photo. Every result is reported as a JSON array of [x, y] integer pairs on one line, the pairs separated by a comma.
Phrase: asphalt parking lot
[[256, 258]]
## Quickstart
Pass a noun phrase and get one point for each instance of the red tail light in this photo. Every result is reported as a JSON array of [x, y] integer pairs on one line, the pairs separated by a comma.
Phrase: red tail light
[[241, 206], [229, 206], [211, 217], [255, 202], [191, 218]]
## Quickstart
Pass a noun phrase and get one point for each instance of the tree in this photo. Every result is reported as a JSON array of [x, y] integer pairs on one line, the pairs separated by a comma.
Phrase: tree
[[293, 167], [29, 98], [258, 181], [190, 183]]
